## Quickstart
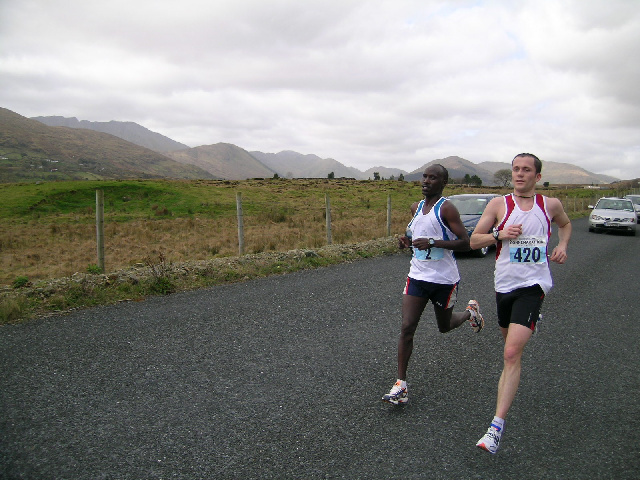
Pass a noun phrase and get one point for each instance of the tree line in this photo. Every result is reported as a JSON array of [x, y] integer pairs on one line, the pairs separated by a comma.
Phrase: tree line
[[501, 177]]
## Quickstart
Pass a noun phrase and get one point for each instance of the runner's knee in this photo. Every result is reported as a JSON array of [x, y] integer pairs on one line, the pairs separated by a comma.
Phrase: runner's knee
[[512, 354]]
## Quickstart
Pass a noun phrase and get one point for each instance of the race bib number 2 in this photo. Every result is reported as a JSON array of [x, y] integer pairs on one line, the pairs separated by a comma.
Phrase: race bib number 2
[[532, 249], [430, 255]]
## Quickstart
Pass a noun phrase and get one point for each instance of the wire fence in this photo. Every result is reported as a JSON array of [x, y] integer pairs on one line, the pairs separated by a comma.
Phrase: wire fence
[[384, 222], [270, 223]]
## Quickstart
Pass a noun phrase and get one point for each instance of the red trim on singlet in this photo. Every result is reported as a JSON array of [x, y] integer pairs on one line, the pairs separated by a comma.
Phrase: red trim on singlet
[[510, 205], [540, 202]]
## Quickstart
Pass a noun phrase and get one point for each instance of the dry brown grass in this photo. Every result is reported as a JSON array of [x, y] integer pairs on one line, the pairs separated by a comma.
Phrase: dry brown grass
[[62, 249], [50, 242]]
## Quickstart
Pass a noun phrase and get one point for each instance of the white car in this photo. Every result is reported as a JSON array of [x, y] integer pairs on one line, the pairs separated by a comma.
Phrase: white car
[[613, 214], [636, 202]]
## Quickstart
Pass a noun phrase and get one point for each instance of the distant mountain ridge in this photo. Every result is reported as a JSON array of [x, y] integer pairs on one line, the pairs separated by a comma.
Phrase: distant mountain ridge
[[552, 172], [223, 160], [129, 131], [31, 150], [293, 164]]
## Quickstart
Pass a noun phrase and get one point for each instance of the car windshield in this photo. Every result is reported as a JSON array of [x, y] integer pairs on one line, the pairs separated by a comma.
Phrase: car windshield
[[469, 206], [635, 200], [611, 204]]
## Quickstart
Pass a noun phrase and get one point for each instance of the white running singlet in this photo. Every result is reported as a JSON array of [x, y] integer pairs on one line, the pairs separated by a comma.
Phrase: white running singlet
[[436, 265], [523, 262]]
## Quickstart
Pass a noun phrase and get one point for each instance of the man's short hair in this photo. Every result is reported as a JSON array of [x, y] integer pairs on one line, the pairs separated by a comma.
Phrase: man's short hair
[[445, 172], [536, 161]]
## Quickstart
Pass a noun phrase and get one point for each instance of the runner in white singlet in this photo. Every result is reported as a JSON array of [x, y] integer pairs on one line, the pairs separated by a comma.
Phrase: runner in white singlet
[[522, 222], [435, 231], [437, 265], [522, 262]]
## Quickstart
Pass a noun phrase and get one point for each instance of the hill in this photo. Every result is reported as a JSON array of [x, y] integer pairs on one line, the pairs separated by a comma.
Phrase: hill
[[385, 172], [129, 131], [297, 165], [30, 150], [81, 149], [458, 168], [552, 172], [559, 173], [224, 160]]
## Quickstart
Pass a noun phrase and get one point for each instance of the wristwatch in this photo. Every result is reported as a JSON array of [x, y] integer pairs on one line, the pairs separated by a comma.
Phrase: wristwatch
[[432, 242], [496, 234]]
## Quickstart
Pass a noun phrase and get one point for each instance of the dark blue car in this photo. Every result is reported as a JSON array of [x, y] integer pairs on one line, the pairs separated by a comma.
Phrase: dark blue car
[[471, 206]]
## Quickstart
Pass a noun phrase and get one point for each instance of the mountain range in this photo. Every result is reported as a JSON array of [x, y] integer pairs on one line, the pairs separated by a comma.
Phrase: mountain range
[[129, 131], [56, 147], [30, 150]]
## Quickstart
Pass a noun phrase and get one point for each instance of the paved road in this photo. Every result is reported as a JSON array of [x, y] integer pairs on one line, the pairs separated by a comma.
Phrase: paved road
[[281, 378]]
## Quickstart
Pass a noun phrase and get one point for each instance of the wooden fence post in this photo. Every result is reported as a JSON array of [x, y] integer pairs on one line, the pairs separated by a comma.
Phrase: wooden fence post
[[328, 215], [240, 223], [100, 228], [388, 215]]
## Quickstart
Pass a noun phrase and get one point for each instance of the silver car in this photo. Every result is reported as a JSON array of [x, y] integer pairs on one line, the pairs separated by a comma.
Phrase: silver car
[[613, 214], [636, 203], [471, 206]]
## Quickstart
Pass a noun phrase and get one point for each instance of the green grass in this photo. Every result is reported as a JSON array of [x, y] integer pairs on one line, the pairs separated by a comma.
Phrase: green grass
[[127, 200], [124, 200], [145, 199]]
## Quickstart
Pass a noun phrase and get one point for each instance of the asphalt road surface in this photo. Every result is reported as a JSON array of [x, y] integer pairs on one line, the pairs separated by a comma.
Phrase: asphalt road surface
[[282, 378]]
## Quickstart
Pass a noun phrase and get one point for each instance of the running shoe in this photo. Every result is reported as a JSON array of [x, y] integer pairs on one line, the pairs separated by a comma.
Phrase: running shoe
[[398, 394], [475, 320], [491, 440]]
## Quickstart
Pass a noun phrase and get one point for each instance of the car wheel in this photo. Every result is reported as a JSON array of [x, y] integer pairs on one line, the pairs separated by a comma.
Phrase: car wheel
[[481, 252]]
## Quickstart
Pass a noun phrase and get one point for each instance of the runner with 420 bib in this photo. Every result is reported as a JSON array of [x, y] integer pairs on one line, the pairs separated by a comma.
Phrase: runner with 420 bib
[[522, 229]]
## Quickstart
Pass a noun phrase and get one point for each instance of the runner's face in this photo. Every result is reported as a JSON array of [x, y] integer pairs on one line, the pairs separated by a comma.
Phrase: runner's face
[[523, 174], [432, 182]]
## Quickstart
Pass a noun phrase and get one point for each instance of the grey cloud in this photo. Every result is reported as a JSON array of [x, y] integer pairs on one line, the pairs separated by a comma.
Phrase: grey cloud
[[367, 83]]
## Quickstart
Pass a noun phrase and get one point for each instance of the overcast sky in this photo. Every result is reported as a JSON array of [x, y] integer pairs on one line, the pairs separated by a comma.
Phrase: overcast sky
[[393, 83]]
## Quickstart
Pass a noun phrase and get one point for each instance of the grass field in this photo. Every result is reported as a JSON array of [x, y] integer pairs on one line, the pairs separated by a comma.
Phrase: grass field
[[48, 230]]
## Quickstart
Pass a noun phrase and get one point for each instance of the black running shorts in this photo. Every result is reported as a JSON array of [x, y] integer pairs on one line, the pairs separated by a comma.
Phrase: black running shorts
[[442, 295], [521, 306]]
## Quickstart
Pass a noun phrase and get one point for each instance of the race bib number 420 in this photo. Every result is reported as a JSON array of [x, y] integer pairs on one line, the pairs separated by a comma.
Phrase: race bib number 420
[[528, 249]]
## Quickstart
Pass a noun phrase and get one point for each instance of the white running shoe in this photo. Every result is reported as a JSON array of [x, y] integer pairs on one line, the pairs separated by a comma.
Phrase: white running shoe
[[397, 394], [491, 440], [475, 320]]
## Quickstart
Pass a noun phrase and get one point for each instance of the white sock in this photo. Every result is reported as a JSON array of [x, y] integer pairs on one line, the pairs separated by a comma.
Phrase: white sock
[[498, 423], [403, 383]]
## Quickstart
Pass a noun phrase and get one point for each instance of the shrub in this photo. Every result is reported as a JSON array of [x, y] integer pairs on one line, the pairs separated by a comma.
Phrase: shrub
[[12, 309], [20, 282], [160, 282], [161, 286], [95, 269]]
